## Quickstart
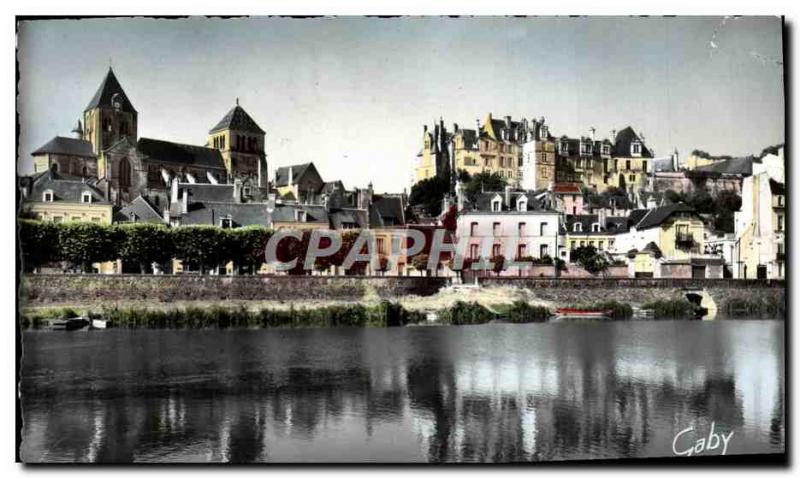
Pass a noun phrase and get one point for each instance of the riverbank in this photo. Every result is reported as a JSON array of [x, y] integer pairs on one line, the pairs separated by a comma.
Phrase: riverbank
[[48, 296]]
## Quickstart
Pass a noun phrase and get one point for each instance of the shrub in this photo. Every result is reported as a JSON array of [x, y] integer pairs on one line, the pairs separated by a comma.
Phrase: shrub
[[521, 312], [466, 313], [85, 243], [144, 244], [202, 246], [671, 308], [39, 243]]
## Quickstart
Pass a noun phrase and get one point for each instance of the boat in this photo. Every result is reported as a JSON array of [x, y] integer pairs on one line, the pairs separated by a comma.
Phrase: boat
[[73, 323], [570, 313], [98, 324]]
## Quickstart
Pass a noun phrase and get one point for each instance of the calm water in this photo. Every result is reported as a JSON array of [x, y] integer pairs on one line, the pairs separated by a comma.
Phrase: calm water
[[488, 393]]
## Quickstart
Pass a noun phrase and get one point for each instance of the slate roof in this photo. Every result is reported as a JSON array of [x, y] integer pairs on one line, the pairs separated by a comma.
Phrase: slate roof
[[142, 210], [282, 173], [65, 188], [738, 166], [622, 143], [176, 153], [241, 214], [470, 138], [237, 119], [339, 217], [613, 224], [108, 88], [483, 203], [286, 213], [386, 210], [656, 217], [67, 146], [201, 192]]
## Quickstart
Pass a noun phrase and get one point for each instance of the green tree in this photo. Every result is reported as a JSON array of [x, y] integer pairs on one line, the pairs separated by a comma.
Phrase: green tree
[[247, 246], [85, 243], [483, 181], [429, 193], [588, 258], [39, 243], [200, 246], [144, 244]]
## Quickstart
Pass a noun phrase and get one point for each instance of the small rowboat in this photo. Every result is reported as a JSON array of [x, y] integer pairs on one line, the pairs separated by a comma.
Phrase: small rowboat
[[74, 323], [568, 313]]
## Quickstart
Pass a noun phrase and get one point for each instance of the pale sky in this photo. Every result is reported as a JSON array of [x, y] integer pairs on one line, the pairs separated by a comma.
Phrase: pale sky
[[352, 94]]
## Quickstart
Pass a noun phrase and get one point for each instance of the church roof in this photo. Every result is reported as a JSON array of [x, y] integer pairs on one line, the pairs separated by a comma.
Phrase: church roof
[[108, 88], [237, 119], [67, 147], [177, 153]]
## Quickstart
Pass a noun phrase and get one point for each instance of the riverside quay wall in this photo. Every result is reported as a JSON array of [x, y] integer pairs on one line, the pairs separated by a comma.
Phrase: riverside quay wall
[[743, 298], [732, 297]]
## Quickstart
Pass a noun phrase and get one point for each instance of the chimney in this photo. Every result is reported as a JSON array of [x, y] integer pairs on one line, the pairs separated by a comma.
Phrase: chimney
[[424, 129], [289, 183], [166, 215], [651, 203], [601, 217], [174, 191], [507, 197], [592, 130], [614, 136], [478, 127], [508, 122], [237, 190], [455, 127]]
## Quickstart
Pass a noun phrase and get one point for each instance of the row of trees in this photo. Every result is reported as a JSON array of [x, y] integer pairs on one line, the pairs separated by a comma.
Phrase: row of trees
[[79, 245]]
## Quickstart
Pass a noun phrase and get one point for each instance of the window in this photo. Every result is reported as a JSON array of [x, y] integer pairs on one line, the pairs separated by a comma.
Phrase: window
[[543, 250], [226, 222], [86, 197], [300, 215], [473, 229], [124, 173], [521, 250], [542, 228], [379, 244], [521, 229], [632, 178], [780, 200], [473, 251], [522, 205], [577, 227], [780, 222], [246, 190], [596, 227], [495, 250], [627, 165], [636, 148], [496, 228], [563, 148], [496, 205], [47, 196], [644, 166], [606, 151], [572, 244], [583, 243], [600, 245]]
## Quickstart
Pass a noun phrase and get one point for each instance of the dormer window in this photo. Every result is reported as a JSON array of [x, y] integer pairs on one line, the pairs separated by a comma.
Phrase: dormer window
[[577, 227], [47, 196], [596, 227], [496, 205], [606, 149], [300, 215], [563, 148], [522, 205], [586, 149], [636, 148], [226, 222], [86, 197], [246, 191]]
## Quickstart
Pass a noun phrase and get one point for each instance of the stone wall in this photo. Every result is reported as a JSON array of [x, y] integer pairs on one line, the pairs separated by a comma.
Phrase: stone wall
[[57, 288]]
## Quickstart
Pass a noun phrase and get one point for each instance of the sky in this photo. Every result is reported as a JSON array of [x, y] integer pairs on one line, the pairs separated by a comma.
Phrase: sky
[[352, 94]]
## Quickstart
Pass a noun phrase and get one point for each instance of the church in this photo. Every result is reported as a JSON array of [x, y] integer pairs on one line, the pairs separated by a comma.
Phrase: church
[[108, 152]]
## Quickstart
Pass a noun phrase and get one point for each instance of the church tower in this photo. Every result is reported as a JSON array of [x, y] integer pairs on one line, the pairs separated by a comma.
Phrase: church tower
[[241, 142], [109, 116]]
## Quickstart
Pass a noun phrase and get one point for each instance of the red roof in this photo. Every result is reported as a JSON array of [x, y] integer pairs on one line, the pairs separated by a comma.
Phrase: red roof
[[570, 188]]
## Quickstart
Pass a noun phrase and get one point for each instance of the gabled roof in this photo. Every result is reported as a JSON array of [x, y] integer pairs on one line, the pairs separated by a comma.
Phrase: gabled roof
[[108, 88], [140, 210], [298, 170], [656, 217], [613, 224], [67, 146], [622, 143], [287, 213], [65, 188], [350, 216], [237, 119], [386, 210], [177, 153], [241, 214]]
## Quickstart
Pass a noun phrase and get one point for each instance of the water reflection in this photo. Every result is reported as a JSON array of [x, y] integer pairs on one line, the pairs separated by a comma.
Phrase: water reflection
[[494, 393]]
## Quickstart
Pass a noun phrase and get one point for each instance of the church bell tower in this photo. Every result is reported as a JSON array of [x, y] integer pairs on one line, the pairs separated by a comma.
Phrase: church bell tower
[[109, 116]]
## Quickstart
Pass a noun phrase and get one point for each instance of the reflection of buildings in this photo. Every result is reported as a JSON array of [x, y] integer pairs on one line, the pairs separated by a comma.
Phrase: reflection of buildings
[[505, 393]]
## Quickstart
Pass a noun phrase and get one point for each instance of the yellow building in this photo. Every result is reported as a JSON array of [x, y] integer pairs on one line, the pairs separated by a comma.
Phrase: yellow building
[[494, 146], [50, 196]]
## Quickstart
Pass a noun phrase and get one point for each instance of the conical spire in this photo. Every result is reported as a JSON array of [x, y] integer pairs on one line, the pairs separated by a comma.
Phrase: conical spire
[[237, 119], [108, 88]]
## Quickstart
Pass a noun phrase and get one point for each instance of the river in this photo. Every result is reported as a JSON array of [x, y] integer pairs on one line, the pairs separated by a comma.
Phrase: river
[[482, 393]]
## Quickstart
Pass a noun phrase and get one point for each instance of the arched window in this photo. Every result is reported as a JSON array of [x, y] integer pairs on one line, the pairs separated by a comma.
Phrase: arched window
[[124, 173], [577, 227]]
